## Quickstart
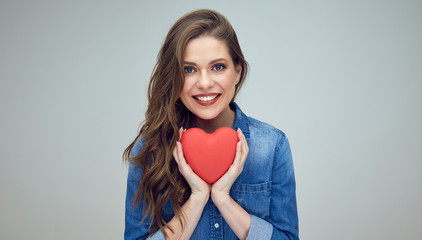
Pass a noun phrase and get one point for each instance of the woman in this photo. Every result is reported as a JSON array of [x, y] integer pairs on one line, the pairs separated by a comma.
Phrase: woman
[[199, 71]]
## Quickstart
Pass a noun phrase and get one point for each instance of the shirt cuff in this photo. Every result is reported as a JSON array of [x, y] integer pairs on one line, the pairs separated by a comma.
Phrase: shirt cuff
[[157, 236], [260, 229]]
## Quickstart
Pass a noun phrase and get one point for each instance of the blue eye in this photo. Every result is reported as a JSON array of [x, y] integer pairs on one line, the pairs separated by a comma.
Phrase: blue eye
[[219, 67], [189, 70]]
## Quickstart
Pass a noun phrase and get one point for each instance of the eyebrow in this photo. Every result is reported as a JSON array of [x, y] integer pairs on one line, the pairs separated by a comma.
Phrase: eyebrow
[[212, 62]]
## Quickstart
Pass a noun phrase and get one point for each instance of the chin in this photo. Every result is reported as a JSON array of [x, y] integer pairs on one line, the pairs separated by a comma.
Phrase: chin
[[204, 116]]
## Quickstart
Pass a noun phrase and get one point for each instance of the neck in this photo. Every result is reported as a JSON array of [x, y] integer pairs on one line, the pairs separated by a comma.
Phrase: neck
[[225, 119]]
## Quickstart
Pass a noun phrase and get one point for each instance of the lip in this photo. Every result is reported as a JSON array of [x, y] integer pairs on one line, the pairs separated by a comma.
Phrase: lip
[[207, 103]]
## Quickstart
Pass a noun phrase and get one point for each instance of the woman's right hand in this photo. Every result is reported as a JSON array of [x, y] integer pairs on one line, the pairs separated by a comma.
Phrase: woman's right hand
[[199, 187], [182, 228]]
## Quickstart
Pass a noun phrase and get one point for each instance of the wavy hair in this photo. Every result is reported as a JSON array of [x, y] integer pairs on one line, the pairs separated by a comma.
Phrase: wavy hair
[[161, 179]]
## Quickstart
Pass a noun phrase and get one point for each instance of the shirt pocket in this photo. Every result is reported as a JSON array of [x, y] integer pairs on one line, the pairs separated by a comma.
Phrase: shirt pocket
[[254, 198]]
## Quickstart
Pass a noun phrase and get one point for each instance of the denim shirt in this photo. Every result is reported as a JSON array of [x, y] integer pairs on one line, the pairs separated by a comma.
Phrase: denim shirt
[[265, 189]]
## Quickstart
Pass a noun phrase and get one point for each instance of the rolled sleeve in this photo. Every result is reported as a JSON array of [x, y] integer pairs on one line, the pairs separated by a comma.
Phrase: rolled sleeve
[[260, 229]]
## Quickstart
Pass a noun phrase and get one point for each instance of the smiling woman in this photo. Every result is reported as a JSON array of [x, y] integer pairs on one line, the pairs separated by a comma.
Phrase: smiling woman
[[210, 82], [199, 72]]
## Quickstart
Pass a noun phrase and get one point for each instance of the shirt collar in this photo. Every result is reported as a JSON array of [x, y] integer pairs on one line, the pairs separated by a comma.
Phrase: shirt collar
[[240, 120]]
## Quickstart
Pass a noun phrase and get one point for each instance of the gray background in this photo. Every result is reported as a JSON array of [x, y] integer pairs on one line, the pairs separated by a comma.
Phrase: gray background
[[341, 78]]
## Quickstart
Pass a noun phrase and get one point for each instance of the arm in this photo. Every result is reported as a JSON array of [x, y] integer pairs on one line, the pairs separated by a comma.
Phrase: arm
[[236, 217], [283, 203], [134, 214], [192, 209], [283, 219]]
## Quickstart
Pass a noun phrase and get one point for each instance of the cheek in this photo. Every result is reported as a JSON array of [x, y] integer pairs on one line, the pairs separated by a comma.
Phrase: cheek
[[229, 81], [184, 95], [188, 83]]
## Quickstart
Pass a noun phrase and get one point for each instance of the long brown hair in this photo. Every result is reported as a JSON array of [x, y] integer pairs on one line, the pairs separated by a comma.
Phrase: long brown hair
[[161, 179]]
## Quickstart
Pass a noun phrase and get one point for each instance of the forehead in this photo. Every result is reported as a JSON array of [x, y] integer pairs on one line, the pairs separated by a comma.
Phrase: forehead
[[206, 48]]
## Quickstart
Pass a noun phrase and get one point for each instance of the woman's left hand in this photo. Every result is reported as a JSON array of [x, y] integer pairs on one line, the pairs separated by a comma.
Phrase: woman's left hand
[[221, 188]]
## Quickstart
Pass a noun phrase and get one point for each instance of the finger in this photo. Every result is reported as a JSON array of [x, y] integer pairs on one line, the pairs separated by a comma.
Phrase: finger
[[179, 150], [184, 168], [180, 133], [242, 141], [176, 154], [180, 155], [183, 163], [245, 148], [237, 158], [241, 136]]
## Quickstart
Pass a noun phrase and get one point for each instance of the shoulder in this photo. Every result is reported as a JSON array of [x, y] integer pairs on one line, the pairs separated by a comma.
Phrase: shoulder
[[135, 172], [264, 131], [268, 142], [256, 129], [136, 148]]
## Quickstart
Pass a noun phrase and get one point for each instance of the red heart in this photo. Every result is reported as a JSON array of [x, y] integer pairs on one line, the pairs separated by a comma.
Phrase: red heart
[[209, 155]]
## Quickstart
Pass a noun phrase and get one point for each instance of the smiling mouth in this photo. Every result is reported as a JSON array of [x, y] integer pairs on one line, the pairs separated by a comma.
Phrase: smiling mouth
[[206, 98]]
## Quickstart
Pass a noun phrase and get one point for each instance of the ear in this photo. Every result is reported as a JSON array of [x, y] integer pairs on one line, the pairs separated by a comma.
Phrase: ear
[[238, 72]]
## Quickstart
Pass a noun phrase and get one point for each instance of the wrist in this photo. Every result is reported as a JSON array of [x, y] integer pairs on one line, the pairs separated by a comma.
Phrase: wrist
[[220, 197], [199, 197]]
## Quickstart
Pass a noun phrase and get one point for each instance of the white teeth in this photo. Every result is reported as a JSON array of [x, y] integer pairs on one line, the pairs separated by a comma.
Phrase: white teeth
[[207, 98]]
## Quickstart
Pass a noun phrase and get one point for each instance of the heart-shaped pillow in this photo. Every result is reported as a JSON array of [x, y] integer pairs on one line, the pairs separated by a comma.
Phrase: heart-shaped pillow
[[209, 155]]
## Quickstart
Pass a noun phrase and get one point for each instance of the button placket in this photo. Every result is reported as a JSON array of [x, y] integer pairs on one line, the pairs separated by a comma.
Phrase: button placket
[[216, 221]]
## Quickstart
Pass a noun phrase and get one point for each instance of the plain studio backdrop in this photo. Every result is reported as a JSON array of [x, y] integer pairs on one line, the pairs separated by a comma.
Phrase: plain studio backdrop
[[342, 79]]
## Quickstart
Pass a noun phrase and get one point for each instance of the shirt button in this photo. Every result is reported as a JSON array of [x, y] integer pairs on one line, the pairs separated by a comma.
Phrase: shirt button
[[216, 225]]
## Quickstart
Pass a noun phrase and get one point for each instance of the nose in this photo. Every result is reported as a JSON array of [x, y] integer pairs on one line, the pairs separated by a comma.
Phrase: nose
[[205, 81]]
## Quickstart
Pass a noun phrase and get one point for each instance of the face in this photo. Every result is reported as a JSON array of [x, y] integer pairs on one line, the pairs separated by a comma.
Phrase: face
[[210, 78]]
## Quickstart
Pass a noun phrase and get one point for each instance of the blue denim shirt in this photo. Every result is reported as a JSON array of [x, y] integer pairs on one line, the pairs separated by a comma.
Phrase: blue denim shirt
[[265, 189]]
